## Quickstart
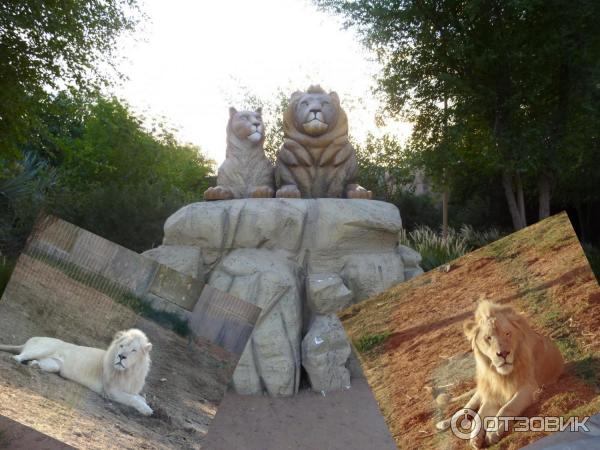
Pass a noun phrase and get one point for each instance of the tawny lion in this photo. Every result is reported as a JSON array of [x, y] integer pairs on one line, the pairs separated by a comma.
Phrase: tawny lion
[[512, 363]]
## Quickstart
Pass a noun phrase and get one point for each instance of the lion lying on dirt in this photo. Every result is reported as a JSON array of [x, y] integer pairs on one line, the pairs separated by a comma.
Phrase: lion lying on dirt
[[512, 361], [119, 372]]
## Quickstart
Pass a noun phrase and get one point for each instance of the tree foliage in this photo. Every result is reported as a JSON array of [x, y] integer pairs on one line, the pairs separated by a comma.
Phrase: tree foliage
[[50, 45], [93, 162], [502, 90]]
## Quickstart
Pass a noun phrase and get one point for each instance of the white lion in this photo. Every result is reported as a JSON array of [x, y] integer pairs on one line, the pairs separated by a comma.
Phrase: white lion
[[119, 372]]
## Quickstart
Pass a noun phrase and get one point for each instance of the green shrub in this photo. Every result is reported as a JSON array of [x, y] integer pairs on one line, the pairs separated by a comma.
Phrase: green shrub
[[417, 210], [370, 341], [436, 250]]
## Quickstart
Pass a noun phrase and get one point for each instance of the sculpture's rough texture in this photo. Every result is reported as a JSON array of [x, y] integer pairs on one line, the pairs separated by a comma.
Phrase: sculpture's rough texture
[[301, 261], [327, 293], [246, 171], [411, 260], [316, 159], [325, 351], [182, 258]]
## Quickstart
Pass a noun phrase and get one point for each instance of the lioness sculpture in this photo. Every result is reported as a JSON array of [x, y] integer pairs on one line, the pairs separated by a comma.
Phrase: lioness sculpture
[[316, 158], [512, 362], [246, 171], [118, 372]]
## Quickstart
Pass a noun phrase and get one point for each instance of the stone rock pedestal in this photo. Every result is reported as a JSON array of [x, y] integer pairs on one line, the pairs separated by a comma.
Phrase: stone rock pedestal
[[301, 261]]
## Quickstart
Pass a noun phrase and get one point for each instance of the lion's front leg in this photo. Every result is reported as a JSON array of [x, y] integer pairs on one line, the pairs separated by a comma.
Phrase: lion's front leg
[[513, 408], [262, 192], [218, 193], [478, 433], [288, 191], [135, 401], [472, 404]]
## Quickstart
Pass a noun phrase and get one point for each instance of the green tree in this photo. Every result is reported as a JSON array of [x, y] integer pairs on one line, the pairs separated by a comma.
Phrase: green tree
[[49, 45], [106, 171], [492, 86]]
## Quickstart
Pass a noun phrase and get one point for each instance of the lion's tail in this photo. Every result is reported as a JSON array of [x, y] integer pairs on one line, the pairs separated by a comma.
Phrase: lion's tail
[[12, 348]]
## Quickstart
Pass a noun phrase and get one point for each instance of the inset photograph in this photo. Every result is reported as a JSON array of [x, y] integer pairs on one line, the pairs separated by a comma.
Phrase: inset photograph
[[497, 348], [101, 347]]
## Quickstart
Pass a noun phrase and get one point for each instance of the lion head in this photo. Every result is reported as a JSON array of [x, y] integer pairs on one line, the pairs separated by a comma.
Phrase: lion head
[[499, 336], [496, 334], [129, 349], [127, 361], [315, 112], [247, 125]]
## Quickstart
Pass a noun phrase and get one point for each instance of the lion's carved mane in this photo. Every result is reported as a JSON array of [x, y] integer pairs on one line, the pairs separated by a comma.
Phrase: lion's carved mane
[[319, 160]]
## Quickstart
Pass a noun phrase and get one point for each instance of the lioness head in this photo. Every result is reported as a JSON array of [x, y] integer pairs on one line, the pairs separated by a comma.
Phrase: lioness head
[[247, 124], [128, 349], [495, 333], [315, 112]]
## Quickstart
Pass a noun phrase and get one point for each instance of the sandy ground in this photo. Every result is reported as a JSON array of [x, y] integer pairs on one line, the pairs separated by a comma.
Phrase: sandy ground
[[344, 420], [541, 271], [184, 386], [183, 397], [16, 436]]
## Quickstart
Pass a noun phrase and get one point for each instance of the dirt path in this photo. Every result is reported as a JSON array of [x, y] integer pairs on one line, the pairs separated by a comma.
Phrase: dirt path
[[343, 420], [541, 271]]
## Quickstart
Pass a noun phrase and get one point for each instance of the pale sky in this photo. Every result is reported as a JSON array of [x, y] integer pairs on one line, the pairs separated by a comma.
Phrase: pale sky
[[199, 57]]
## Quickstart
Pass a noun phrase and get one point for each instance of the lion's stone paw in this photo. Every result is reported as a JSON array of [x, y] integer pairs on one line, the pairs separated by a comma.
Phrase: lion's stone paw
[[33, 363], [358, 192], [262, 192], [288, 191], [218, 193]]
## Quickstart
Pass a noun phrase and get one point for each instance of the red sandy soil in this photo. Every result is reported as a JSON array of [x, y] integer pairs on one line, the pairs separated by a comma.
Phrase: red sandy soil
[[541, 271]]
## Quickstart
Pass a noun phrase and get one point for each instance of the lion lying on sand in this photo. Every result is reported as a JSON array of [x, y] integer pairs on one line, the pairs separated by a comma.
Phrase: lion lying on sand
[[118, 372], [512, 363]]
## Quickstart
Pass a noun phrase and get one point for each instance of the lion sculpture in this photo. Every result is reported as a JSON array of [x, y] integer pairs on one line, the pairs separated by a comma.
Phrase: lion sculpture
[[246, 171], [119, 372], [316, 158], [512, 363]]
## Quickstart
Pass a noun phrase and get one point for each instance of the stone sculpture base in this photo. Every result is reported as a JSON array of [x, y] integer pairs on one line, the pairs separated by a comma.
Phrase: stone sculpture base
[[299, 260]]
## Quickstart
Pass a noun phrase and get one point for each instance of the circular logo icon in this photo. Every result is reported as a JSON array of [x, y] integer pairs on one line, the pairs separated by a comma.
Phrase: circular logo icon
[[465, 423]]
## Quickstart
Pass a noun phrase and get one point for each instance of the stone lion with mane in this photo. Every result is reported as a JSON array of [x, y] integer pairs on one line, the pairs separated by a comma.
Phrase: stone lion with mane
[[512, 363], [316, 159], [246, 171], [119, 372]]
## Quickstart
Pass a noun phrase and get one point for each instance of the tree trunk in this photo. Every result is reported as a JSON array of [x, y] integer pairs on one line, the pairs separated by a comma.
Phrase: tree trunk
[[520, 199], [513, 207], [544, 198], [581, 220], [445, 214]]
